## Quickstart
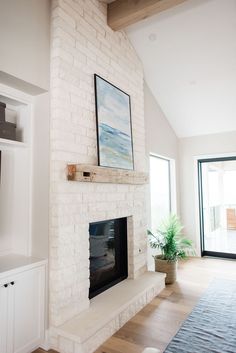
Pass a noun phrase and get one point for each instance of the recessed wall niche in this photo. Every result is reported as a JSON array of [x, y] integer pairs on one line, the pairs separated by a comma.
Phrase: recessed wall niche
[[16, 112], [15, 182]]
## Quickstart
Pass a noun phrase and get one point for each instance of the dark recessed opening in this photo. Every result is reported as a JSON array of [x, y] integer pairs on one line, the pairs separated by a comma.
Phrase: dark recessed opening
[[86, 174], [108, 254]]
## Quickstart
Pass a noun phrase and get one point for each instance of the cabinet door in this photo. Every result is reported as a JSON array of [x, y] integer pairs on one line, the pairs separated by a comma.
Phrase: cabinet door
[[29, 310], [3, 317]]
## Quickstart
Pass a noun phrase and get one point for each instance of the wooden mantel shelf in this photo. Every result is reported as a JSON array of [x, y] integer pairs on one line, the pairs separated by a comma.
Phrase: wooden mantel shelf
[[96, 174]]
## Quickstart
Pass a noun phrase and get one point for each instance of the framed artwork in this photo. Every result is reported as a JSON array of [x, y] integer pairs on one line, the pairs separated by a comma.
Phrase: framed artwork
[[114, 132]]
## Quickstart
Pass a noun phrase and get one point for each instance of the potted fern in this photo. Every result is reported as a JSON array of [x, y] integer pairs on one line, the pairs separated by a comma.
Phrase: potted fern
[[173, 247]]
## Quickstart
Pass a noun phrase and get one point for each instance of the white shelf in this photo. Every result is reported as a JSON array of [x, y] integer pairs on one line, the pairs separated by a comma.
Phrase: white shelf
[[15, 262], [12, 143]]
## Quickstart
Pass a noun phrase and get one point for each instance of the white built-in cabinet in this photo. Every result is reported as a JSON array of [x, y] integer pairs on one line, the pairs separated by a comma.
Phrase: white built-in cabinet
[[22, 277], [22, 304], [22, 307]]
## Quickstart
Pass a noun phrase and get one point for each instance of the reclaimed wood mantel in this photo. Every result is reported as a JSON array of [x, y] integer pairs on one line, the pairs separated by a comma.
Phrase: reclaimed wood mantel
[[97, 174]]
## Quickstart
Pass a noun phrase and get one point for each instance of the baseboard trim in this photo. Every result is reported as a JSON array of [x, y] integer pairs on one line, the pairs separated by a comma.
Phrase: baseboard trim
[[46, 343]]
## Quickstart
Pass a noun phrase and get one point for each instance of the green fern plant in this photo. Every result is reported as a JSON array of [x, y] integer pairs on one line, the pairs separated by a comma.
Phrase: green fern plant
[[170, 241]]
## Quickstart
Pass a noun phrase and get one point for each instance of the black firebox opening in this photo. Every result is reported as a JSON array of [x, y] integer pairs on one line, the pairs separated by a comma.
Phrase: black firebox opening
[[108, 254]]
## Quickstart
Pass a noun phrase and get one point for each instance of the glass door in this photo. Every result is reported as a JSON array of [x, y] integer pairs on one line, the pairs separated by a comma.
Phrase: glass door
[[217, 195]]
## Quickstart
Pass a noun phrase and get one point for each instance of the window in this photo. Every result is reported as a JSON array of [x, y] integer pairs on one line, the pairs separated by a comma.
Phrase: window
[[160, 185]]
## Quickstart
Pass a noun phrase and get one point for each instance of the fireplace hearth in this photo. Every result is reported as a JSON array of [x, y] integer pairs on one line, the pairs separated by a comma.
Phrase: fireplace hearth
[[108, 254]]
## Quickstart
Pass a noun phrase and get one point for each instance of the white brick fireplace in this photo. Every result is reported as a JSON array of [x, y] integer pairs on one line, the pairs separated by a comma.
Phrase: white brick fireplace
[[82, 44]]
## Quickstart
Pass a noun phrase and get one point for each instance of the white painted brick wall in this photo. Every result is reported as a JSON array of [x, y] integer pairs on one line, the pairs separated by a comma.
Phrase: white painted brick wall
[[82, 44]]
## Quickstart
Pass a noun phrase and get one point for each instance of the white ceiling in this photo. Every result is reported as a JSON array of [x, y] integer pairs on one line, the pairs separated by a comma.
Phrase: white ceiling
[[189, 57]]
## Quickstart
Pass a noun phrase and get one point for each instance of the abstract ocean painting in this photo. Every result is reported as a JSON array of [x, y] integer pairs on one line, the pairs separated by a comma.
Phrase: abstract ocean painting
[[115, 147]]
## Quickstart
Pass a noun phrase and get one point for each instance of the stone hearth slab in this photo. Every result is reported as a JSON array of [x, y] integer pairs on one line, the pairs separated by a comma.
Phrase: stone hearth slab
[[107, 313]]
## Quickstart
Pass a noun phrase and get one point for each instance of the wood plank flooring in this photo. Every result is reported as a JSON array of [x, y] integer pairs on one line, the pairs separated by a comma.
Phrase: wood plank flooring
[[158, 322]]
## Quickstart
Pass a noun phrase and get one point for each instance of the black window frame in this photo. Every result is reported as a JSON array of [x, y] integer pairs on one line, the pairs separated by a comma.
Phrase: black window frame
[[201, 215]]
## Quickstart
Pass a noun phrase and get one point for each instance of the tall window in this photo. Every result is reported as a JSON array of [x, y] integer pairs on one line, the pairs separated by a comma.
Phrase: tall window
[[160, 184]]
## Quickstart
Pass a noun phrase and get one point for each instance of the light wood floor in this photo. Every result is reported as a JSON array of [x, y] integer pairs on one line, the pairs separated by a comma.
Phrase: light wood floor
[[157, 323]]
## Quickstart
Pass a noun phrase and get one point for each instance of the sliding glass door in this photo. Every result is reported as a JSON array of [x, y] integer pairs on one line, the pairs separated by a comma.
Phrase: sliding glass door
[[217, 194]]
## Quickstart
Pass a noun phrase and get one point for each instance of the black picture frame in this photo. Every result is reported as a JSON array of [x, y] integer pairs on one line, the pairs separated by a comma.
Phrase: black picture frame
[[114, 146]]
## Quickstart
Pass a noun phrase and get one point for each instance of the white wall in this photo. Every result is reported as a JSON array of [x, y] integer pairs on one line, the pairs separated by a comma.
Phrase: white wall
[[7, 164], [25, 40], [160, 140], [215, 144], [160, 137], [40, 206]]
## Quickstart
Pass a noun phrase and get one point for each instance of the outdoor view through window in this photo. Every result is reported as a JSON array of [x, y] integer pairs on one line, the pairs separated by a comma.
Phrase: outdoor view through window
[[160, 190]]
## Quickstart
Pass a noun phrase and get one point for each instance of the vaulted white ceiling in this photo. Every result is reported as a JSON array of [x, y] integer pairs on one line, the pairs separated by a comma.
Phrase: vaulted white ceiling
[[189, 57]]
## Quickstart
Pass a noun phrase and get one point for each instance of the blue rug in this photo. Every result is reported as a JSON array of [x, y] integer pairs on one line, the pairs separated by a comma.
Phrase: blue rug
[[211, 327]]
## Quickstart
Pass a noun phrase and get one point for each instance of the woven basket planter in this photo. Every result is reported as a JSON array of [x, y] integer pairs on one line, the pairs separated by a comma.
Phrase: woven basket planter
[[168, 267]]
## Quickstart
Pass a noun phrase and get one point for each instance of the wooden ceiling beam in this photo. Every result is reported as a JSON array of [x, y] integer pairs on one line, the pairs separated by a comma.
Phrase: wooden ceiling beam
[[123, 13]]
